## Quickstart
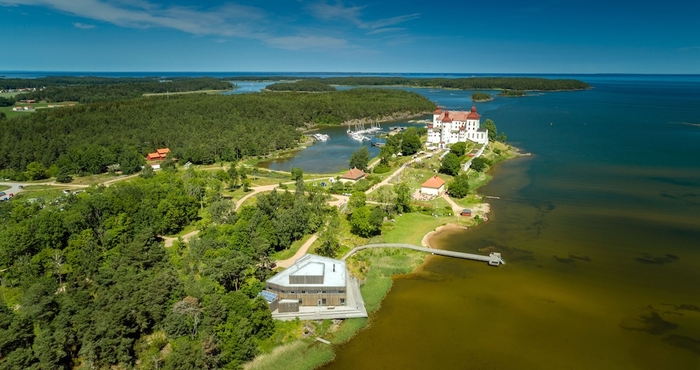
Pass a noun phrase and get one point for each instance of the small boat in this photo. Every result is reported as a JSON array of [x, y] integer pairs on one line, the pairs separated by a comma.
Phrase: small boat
[[321, 137]]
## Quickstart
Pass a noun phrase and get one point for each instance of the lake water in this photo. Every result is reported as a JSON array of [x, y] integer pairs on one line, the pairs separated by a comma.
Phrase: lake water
[[600, 229], [601, 232]]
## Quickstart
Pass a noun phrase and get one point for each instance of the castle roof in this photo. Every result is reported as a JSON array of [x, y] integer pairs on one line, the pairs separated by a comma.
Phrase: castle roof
[[446, 117], [458, 115], [438, 111], [473, 114]]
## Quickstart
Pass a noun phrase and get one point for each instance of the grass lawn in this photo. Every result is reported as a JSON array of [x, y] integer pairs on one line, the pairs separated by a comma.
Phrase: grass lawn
[[41, 105], [411, 228], [93, 179], [8, 94], [4, 187]]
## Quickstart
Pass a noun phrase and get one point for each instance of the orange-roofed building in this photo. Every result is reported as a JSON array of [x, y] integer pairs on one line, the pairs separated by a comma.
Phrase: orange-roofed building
[[354, 174], [159, 155], [434, 186]]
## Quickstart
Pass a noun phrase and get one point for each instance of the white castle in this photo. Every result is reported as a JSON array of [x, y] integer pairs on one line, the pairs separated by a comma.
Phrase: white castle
[[453, 127]]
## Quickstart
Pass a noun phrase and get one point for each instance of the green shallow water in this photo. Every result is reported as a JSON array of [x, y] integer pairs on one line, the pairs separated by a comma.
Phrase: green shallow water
[[601, 232]]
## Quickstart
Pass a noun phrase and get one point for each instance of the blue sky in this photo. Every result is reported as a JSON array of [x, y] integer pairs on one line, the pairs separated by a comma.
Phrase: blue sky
[[359, 36]]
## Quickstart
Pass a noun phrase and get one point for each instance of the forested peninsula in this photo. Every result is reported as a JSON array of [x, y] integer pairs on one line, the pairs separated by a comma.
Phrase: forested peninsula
[[85, 139], [469, 83], [100, 89], [303, 85]]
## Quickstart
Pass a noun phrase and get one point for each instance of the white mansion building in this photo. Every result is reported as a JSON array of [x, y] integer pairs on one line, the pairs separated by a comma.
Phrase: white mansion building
[[452, 127]]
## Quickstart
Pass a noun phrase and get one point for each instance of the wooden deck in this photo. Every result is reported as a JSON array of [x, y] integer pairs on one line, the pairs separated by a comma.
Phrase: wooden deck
[[493, 259]]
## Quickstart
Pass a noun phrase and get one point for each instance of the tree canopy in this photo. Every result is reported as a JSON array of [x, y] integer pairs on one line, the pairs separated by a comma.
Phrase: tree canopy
[[360, 158], [303, 85], [459, 148], [92, 283], [450, 164], [197, 128], [97, 89], [459, 186]]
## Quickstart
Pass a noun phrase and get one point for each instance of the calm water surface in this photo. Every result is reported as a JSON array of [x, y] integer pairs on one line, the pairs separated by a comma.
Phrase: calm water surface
[[601, 232]]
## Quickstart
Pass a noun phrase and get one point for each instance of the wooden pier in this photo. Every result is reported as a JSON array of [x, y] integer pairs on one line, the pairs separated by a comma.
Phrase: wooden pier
[[493, 259]]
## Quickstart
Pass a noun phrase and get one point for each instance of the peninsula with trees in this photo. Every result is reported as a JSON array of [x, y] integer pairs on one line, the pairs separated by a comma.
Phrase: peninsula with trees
[[123, 263]]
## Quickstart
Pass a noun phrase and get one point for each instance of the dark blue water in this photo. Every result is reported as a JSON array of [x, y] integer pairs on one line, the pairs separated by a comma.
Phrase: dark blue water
[[601, 232]]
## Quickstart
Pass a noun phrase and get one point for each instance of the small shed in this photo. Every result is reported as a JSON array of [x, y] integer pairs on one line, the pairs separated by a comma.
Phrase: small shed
[[288, 305], [466, 212]]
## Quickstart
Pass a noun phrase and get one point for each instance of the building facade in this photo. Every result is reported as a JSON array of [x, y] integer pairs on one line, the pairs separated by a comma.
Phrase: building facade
[[312, 281], [457, 126]]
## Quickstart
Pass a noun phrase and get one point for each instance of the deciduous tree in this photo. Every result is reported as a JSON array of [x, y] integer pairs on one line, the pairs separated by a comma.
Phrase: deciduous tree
[[360, 159], [450, 164]]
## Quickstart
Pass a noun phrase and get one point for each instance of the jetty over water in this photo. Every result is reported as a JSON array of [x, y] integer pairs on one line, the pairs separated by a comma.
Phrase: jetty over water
[[493, 259]]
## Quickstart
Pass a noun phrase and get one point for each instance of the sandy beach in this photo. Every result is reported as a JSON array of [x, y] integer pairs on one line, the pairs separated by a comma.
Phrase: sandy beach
[[481, 209]]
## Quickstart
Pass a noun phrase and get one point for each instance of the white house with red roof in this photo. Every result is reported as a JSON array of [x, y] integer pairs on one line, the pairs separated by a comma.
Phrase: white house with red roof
[[456, 126], [434, 186]]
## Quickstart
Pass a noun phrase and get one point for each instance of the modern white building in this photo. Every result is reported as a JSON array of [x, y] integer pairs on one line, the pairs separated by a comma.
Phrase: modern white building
[[452, 127], [314, 288]]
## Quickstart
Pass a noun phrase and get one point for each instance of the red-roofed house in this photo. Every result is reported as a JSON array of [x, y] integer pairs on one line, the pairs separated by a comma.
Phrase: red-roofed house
[[353, 175], [434, 186], [159, 155]]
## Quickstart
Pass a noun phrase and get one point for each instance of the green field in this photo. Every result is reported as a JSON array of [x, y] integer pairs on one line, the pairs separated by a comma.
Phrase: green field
[[41, 105], [8, 94]]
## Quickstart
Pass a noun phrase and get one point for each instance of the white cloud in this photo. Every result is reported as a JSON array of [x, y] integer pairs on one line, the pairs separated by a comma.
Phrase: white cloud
[[83, 26], [385, 30], [228, 20], [222, 21], [328, 12]]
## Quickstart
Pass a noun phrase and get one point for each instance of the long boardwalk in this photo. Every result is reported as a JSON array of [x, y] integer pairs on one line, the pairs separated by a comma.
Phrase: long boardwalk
[[493, 259]]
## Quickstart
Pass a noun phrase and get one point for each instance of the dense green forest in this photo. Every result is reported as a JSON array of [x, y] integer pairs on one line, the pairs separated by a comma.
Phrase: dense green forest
[[202, 129], [92, 90], [303, 85], [469, 83], [87, 282], [511, 93]]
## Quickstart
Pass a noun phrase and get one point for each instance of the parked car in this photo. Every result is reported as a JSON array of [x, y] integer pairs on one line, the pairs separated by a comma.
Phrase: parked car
[[21, 186], [2, 193]]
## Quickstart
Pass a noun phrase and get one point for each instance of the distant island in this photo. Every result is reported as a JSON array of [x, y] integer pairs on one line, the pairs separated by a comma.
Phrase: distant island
[[481, 97], [302, 86], [469, 83]]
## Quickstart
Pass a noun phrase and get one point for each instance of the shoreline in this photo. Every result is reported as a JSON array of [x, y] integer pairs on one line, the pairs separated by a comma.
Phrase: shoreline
[[481, 209]]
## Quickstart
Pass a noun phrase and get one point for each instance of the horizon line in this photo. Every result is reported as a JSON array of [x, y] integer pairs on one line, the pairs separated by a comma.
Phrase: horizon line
[[344, 72]]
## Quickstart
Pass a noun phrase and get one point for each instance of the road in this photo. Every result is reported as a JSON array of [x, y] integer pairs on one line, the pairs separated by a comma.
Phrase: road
[[14, 188], [302, 251]]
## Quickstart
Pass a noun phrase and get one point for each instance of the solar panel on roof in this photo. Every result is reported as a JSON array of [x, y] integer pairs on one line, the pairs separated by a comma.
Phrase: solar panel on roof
[[269, 296]]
